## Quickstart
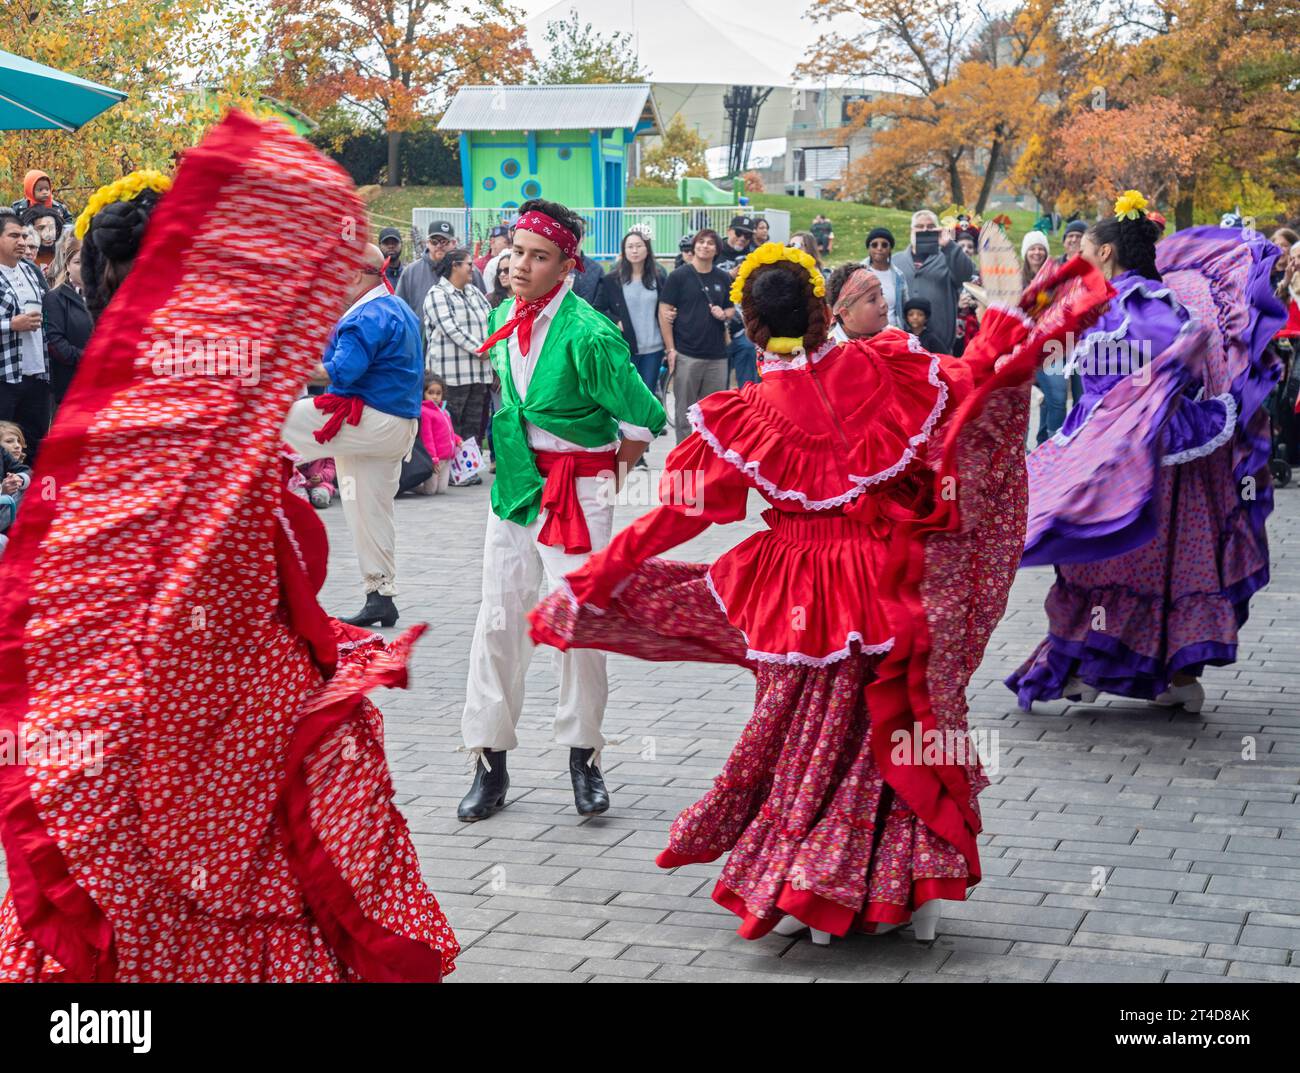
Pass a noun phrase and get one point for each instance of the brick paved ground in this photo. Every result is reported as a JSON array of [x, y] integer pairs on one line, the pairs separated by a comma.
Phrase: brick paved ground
[[1200, 849]]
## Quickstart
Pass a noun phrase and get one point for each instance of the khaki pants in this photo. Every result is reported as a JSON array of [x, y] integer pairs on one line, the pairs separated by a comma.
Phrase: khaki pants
[[693, 378], [513, 568], [368, 459]]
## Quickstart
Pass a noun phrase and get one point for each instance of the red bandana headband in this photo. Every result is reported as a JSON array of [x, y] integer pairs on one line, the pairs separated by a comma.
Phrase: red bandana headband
[[552, 230]]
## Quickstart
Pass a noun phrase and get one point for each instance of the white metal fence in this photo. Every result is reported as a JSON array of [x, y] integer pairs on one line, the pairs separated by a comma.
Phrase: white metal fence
[[606, 227]]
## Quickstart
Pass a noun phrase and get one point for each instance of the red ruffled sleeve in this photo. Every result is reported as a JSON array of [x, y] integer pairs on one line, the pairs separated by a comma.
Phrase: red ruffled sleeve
[[697, 490]]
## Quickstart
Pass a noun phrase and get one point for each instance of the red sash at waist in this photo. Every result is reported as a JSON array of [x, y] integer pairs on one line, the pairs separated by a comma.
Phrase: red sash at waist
[[340, 408], [566, 525]]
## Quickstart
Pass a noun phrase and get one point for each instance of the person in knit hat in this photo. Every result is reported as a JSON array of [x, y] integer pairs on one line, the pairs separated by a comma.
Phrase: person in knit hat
[[1034, 254], [880, 254], [1035, 251], [917, 314], [1072, 238]]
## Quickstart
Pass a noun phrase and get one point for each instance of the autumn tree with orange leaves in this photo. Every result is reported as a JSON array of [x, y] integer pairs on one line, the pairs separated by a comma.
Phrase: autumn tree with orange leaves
[[1153, 147], [396, 61], [1193, 100], [973, 87]]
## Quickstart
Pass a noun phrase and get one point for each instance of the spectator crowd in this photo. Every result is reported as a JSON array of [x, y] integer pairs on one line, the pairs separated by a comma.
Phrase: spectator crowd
[[681, 327]]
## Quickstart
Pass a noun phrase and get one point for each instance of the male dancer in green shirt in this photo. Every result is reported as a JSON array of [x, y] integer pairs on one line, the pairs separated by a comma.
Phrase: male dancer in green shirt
[[569, 392]]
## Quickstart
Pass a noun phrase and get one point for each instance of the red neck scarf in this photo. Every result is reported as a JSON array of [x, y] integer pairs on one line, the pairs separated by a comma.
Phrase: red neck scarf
[[521, 318]]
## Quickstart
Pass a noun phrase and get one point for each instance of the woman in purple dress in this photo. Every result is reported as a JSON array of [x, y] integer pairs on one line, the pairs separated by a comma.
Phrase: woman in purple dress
[[1151, 500]]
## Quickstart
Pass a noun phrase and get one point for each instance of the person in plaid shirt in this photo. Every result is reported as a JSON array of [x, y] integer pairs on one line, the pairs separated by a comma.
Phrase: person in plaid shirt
[[24, 367], [455, 325]]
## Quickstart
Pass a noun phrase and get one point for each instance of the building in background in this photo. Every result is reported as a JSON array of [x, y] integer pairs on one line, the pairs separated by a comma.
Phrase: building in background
[[571, 144]]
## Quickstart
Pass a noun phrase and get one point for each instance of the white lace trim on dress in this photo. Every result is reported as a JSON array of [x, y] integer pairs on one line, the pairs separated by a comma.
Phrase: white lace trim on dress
[[861, 484]]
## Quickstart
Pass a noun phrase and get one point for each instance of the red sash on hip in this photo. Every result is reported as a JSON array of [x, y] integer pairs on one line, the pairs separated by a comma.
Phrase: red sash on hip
[[565, 524], [340, 408]]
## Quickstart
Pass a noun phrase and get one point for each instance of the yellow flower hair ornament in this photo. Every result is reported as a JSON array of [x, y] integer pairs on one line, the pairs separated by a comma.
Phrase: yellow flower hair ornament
[[769, 254], [1130, 205], [126, 188]]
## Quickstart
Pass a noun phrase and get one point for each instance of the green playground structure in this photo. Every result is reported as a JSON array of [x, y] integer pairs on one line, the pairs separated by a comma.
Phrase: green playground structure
[[694, 191]]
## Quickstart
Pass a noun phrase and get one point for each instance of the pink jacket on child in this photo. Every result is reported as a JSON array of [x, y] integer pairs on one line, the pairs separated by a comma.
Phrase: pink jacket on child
[[436, 433]]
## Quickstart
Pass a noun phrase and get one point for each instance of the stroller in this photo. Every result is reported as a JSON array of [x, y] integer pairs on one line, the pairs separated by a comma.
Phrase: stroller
[[1281, 403]]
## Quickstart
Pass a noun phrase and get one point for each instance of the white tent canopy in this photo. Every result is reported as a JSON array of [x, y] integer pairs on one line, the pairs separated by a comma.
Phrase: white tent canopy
[[695, 50]]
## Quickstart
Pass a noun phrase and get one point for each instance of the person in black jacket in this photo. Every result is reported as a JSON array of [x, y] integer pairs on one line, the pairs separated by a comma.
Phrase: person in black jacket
[[629, 295], [917, 312], [67, 322], [587, 275]]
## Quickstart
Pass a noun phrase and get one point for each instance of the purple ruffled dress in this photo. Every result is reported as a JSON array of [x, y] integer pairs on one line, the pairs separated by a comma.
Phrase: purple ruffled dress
[[1151, 501]]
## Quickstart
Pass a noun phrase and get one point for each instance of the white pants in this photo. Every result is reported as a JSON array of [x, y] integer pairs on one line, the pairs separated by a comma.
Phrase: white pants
[[368, 460], [513, 565]]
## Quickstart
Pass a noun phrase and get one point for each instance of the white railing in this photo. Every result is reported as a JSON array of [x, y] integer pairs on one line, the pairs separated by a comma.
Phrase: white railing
[[606, 227]]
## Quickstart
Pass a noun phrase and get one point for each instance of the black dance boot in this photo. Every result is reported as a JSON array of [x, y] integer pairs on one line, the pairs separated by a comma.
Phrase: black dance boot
[[487, 795], [589, 793], [379, 611]]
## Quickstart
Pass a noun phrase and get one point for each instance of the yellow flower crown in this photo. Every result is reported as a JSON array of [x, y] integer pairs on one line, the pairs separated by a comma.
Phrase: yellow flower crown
[[1130, 205], [126, 188], [769, 254]]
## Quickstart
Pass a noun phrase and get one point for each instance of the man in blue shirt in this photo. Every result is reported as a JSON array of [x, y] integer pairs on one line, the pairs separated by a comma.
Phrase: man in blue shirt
[[367, 422]]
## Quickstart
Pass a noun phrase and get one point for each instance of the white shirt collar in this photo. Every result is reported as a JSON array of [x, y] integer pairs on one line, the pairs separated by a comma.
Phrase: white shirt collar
[[549, 310], [377, 291]]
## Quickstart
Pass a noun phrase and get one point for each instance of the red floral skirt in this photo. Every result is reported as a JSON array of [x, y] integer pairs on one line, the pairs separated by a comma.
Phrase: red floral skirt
[[801, 805]]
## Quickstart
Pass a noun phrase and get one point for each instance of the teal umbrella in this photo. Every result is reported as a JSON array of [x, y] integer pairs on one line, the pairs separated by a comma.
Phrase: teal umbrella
[[36, 97]]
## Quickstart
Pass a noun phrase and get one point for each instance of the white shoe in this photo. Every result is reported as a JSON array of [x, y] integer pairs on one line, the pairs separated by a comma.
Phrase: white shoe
[[1190, 696], [925, 920], [1079, 692], [789, 925]]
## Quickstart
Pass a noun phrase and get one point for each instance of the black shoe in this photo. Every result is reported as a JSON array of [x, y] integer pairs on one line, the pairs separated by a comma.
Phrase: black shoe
[[487, 794], [379, 610], [589, 793]]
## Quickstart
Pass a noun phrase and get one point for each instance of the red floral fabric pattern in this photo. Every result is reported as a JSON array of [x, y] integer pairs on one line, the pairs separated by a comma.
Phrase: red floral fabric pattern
[[238, 823]]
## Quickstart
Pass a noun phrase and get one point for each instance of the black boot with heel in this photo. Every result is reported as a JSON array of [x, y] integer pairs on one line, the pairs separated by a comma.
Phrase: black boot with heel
[[487, 794], [379, 611]]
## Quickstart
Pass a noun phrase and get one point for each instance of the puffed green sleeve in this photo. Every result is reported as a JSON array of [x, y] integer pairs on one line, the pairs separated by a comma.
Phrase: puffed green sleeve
[[605, 371]]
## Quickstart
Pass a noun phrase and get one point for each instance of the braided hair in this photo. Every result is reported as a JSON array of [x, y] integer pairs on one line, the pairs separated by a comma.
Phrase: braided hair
[[112, 243], [1134, 242], [779, 301]]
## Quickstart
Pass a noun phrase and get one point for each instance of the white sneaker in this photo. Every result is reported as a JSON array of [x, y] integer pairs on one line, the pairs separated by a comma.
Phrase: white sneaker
[[1190, 696]]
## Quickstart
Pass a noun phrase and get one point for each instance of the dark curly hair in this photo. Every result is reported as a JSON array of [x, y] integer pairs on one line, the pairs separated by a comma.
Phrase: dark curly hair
[[112, 243], [1134, 242], [779, 301], [555, 211], [839, 277]]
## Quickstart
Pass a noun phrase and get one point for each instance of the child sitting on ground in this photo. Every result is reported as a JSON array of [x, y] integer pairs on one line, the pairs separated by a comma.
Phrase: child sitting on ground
[[917, 312], [437, 435], [15, 475]]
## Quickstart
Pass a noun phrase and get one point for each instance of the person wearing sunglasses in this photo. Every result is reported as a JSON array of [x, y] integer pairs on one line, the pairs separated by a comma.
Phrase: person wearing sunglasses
[[880, 260]]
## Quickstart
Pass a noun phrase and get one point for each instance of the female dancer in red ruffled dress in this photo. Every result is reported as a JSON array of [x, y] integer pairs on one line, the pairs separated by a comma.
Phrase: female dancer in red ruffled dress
[[897, 488], [229, 816]]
